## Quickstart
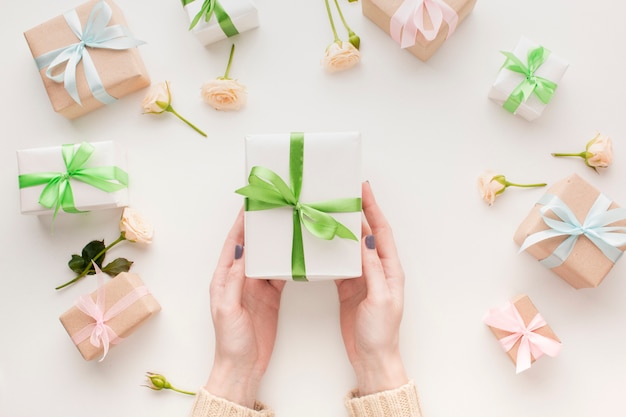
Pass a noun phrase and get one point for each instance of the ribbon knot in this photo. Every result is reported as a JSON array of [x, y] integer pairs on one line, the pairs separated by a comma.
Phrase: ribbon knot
[[267, 190], [532, 344], [210, 8], [57, 192], [62, 62], [595, 227], [543, 88], [408, 20]]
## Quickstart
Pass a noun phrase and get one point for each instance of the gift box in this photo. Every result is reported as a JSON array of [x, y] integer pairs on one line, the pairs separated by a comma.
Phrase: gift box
[[104, 318], [419, 26], [576, 231], [523, 333], [72, 178], [309, 229], [528, 79], [226, 18], [81, 79]]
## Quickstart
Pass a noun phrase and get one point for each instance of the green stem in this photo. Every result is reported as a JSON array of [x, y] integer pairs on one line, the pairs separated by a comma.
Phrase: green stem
[[582, 154], [511, 184], [345, 24], [95, 258], [182, 391], [332, 23], [175, 113], [230, 60]]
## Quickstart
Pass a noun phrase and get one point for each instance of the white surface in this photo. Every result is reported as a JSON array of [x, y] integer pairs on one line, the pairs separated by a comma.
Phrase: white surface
[[428, 131]]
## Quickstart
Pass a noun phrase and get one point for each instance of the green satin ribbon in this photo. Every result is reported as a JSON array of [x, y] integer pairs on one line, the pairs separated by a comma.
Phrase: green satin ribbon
[[58, 193], [542, 87], [266, 190], [210, 7]]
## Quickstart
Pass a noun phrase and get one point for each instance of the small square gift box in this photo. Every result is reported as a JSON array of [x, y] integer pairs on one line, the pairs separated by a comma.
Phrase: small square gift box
[[72, 178], [419, 26], [522, 332], [303, 206], [214, 20], [576, 231], [528, 79], [87, 58], [107, 316]]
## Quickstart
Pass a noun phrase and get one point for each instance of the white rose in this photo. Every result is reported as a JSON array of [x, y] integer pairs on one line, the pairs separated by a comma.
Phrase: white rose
[[600, 151], [340, 56], [157, 99], [224, 94], [134, 227], [489, 187]]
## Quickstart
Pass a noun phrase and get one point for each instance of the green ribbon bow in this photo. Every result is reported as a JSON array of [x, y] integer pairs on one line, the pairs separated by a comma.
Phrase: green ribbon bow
[[210, 7], [266, 190], [58, 190], [543, 88]]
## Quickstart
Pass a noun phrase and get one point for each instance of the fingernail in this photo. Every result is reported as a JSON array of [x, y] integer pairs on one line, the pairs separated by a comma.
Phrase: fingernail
[[238, 251], [370, 242]]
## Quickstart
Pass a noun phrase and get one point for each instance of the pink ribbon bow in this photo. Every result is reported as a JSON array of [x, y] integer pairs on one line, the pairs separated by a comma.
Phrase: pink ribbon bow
[[99, 332], [408, 20], [510, 320]]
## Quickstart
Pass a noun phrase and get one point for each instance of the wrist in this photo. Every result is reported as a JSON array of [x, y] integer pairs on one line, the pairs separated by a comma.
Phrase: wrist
[[234, 384], [380, 373]]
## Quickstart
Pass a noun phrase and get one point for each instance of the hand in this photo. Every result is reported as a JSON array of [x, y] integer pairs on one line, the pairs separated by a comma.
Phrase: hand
[[371, 306], [245, 317]]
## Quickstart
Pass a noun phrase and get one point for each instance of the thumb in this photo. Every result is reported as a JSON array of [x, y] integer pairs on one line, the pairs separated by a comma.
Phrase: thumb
[[372, 267], [236, 278]]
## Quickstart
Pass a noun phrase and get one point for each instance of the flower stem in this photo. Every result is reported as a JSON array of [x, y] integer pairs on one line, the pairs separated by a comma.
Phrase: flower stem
[[345, 24], [582, 154], [175, 113], [95, 258], [230, 60], [182, 391], [511, 184], [332, 23]]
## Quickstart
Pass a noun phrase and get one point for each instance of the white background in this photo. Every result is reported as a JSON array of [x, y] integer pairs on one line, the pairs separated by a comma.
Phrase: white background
[[428, 131]]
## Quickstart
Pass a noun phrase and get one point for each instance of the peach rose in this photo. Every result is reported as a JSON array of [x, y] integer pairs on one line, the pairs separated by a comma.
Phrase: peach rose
[[599, 152], [134, 227], [158, 98], [489, 187], [340, 56], [224, 94]]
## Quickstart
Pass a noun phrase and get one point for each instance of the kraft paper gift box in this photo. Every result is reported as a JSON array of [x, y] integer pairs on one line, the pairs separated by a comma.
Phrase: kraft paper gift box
[[419, 26], [326, 167], [522, 96], [85, 176], [576, 231], [104, 73], [127, 304], [228, 18], [523, 333]]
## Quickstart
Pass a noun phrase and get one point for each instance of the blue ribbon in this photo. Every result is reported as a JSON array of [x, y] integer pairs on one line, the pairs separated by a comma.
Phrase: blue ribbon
[[96, 34], [595, 227]]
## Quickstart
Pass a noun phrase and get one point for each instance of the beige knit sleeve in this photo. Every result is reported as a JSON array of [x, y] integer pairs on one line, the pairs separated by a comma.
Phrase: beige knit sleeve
[[399, 402], [208, 405]]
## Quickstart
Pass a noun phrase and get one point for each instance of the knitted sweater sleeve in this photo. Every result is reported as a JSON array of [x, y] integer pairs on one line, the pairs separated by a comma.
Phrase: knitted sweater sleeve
[[399, 402], [208, 405]]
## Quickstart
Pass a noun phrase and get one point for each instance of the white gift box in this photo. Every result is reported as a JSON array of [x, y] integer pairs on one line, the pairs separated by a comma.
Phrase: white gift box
[[86, 197], [552, 69], [331, 170], [243, 13]]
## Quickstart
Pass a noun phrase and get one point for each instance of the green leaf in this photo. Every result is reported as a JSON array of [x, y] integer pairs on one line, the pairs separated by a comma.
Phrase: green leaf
[[117, 266], [92, 249], [77, 264]]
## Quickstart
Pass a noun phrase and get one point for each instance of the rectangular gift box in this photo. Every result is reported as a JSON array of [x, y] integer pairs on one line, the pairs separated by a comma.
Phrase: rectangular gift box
[[243, 14], [381, 11], [121, 71], [124, 323], [331, 170], [527, 311], [86, 197], [552, 69], [586, 266]]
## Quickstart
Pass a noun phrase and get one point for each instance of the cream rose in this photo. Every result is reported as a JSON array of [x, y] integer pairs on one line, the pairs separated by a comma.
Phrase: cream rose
[[134, 227], [158, 98], [224, 94], [489, 187], [599, 152], [340, 56]]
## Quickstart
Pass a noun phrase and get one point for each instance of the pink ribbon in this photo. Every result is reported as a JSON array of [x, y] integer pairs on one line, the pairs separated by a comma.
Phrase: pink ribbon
[[510, 320], [408, 20], [99, 332]]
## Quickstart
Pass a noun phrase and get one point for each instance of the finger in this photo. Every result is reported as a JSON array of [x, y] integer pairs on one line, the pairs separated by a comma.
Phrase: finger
[[235, 237], [365, 228], [279, 284], [235, 278], [385, 244], [373, 271]]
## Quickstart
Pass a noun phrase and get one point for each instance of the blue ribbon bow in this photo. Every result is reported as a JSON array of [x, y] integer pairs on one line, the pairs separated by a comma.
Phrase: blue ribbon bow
[[595, 227], [96, 34]]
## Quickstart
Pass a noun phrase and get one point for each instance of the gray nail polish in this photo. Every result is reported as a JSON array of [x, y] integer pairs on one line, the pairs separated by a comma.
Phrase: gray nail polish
[[238, 251], [370, 242]]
